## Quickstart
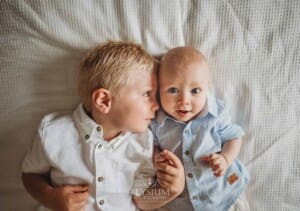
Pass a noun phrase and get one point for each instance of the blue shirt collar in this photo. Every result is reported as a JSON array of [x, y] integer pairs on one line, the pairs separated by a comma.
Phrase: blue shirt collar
[[210, 108]]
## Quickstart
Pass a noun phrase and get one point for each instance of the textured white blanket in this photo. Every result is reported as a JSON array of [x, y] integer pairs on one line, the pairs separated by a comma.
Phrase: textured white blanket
[[252, 47]]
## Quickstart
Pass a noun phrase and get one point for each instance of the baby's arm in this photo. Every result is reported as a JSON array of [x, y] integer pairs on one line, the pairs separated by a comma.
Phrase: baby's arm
[[171, 181], [219, 162], [56, 198]]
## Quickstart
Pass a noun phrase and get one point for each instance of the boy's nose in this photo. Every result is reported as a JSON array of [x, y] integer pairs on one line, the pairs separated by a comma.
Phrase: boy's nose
[[155, 105]]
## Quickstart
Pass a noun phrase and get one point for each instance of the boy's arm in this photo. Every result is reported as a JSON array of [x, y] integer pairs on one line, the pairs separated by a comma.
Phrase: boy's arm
[[56, 198], [171, 183]]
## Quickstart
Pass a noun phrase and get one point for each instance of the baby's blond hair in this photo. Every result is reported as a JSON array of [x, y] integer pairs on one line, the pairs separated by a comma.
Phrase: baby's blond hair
[[109, 66], [184, 56]]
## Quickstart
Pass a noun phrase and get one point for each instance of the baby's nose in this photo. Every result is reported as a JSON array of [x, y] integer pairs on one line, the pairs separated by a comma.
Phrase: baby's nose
[[183, 99]]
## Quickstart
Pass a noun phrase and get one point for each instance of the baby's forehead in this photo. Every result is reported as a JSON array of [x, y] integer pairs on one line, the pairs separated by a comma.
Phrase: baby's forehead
[[183, 56]]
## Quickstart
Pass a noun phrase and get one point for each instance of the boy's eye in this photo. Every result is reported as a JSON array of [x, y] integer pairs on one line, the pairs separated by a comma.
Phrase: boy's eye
[[173, 90], [196, 90], [147, 94]]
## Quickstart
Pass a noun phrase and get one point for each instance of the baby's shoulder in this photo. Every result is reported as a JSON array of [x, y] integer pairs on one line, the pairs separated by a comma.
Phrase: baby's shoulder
[[144, 137], [220, 106], [144, 140]]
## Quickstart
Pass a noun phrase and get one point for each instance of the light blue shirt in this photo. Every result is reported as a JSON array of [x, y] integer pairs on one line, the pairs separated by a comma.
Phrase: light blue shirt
[[190, 141]]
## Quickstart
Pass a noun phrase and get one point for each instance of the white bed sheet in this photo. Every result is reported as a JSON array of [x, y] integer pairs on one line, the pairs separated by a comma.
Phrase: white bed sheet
[[252, 47]]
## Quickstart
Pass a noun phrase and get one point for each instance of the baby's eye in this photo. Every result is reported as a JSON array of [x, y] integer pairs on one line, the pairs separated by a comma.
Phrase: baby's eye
[[173, 90], [196, 90], [147, 94]]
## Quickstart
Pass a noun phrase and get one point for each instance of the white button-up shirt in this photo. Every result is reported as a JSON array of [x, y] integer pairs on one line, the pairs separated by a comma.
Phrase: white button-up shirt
[[72, 148]]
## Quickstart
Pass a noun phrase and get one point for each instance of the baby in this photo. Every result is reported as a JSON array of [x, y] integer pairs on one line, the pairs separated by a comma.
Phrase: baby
[[197, 128]]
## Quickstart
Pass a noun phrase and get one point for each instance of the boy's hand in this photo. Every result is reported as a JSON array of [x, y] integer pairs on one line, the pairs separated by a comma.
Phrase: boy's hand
[[217, 162], [64, 198], [170, 172], [70, 198]]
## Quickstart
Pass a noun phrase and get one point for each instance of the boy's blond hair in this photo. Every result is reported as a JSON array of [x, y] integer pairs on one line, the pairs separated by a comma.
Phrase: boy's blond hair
[[109, 66]]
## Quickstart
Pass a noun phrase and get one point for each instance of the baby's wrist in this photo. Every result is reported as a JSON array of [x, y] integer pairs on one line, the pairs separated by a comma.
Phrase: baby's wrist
[[227, 160]]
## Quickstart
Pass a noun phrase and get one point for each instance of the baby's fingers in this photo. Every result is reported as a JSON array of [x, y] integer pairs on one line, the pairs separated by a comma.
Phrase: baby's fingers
[[162, 176], [166, 169], [164, 184], [159, 158], [219, 173], [209, 158]]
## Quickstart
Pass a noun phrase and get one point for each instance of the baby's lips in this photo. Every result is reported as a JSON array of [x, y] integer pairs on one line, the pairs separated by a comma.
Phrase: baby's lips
[[204, 158]]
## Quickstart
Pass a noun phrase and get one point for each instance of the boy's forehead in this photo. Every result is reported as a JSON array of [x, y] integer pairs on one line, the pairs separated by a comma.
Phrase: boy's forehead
[[142, 77]]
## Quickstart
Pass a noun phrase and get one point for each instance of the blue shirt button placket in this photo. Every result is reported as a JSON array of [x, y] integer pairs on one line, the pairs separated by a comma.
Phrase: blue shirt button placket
[[188, 162]]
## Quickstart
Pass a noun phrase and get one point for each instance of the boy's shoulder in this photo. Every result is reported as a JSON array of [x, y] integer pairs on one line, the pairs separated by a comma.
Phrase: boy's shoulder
[[57, 131], [61, 117], [57, 124]]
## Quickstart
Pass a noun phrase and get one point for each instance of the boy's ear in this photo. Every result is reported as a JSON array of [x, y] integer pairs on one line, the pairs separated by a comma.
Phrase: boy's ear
[[102, 100]]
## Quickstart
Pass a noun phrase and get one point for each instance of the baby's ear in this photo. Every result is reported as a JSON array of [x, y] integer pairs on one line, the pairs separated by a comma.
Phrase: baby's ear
[[102, 100]]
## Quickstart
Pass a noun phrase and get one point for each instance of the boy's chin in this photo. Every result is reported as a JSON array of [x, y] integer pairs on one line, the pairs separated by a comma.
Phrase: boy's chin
[[140, 129]]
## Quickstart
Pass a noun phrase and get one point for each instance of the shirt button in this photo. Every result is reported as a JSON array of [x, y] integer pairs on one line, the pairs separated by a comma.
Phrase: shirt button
[[87, 136], [98, 129], [190, 175], [187, 152], [195, 197], [186, 132], [203, 197], [99, 146], [100, 179], [101, 202]]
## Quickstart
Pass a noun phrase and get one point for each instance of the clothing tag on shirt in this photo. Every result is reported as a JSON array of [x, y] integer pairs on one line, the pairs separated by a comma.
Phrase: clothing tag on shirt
[[232, 178]]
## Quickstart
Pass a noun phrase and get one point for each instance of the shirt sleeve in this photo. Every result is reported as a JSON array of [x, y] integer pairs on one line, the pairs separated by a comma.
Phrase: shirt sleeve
[[226, 129], [35, 160], [144, 176]]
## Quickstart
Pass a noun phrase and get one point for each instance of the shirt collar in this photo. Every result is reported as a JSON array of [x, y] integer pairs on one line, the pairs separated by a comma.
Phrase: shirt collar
[[88, 128], [210, 108], [84, 123], [211, 105]]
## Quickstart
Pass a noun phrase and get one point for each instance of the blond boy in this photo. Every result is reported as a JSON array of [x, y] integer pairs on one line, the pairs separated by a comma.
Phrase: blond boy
[[197, 128], [100, 156]]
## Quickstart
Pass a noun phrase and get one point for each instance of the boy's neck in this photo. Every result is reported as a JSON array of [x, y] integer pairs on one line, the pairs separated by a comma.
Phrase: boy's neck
[[109, 131]]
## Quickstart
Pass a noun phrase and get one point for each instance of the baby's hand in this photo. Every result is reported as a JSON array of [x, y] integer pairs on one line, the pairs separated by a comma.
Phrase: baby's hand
[[170, 172], [217, 162], [163, 157]]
